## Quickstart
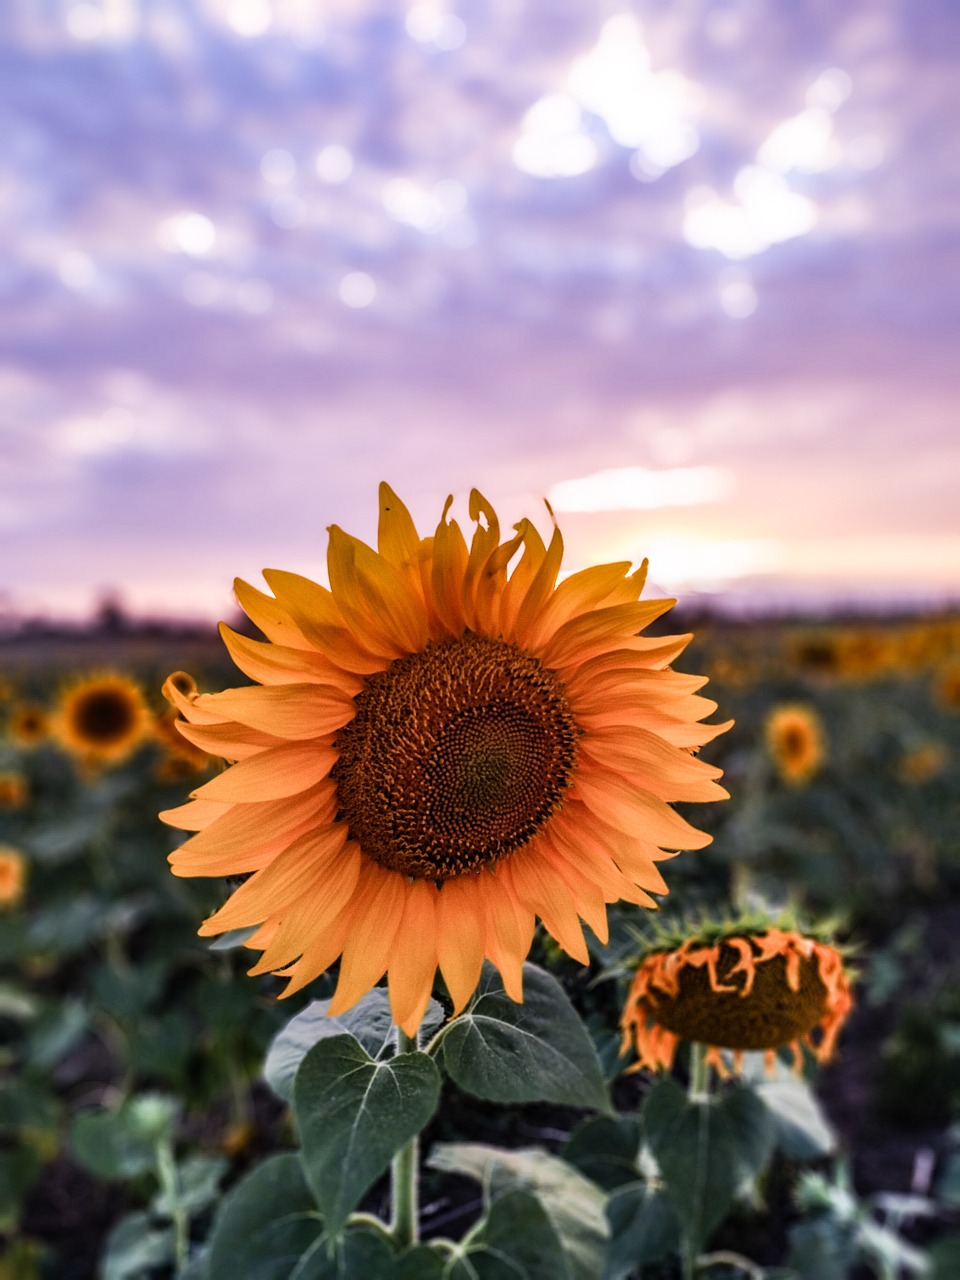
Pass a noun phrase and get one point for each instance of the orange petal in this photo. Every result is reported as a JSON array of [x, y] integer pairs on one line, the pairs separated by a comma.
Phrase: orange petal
[[585, 894], [305, 926], [195, 815], [450, 558], [460, 940], [275, 664], [186, 705], [245, 831], [231, 740], [522, 577], [602, 629], [509, 928], [397, 538], [540, 589], [413, 962], [377, 602], [274, 773], [281, 884], [655, 765], [539, 888], [369, 944], [319, 616], [635, 811], [295, 711], [265, 612], [581, 592]]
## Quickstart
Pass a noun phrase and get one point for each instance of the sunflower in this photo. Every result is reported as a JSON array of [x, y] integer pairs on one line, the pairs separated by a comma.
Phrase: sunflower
[[13, 790], [922, 763], [739, 988], [13, 876], [947, 688], [441, 751], [29, 725], [796, 742], [102, 718]]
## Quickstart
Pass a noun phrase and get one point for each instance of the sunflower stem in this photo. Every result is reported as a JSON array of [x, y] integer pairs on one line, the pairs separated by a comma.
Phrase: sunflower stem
[[698, 1089], [403, 1174]]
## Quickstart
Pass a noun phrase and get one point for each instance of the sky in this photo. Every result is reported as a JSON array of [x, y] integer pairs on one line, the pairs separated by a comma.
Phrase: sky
[[688, 269]]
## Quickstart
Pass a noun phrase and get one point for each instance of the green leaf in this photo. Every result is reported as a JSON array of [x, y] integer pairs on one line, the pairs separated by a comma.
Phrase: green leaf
[[198, 1185], [515, 1241], [370, 1022], [19, 1170], [707, 1151], [822, 1249], [25, 1105], [605, 1148], [643, 1228], [233, 938], [270, 1220], [802, 1130], [123, 1144], [573, 1204], [538, 1051], [135, 1247], [354, 1114], [422, 1262], [945, 1259], [55, 1033], [359, 1254]]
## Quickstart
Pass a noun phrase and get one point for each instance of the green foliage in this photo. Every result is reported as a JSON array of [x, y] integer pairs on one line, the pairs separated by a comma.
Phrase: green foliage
[[707, 1151], [843, 1230], [369, 1022], [531, 1052], [353, 1115], [123, 1143], [571, 1204]]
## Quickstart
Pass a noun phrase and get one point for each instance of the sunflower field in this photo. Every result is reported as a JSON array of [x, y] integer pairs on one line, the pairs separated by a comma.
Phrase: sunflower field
[[747, 1064]]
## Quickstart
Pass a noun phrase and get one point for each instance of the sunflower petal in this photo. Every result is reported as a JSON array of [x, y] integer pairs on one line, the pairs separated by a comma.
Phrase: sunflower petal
[[450, 556], [413, 961], [367, 949], [633, 810], [271, 890], [266, 613], [460, 941], [295, 711], [509, 928], [274, 773], [275, 664]]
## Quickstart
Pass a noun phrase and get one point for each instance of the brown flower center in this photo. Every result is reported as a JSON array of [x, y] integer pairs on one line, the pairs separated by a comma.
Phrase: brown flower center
[[456, 756], [103, 717], [770, 1016]]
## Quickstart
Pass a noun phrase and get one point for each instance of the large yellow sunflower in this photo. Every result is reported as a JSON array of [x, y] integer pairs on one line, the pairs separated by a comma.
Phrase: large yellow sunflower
[[441, 751]]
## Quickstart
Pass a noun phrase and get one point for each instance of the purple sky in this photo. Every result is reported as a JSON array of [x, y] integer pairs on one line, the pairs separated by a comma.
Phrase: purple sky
[[259, 254]]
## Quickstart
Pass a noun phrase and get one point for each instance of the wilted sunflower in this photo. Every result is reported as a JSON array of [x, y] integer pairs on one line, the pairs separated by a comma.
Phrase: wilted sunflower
[[795, 740], [102, 718], [13, 876], [29, 725], [738, 988], [442, 752], [13, 789]]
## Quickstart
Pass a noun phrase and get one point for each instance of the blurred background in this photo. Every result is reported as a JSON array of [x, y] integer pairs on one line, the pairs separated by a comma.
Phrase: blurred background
[[689, 270]]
